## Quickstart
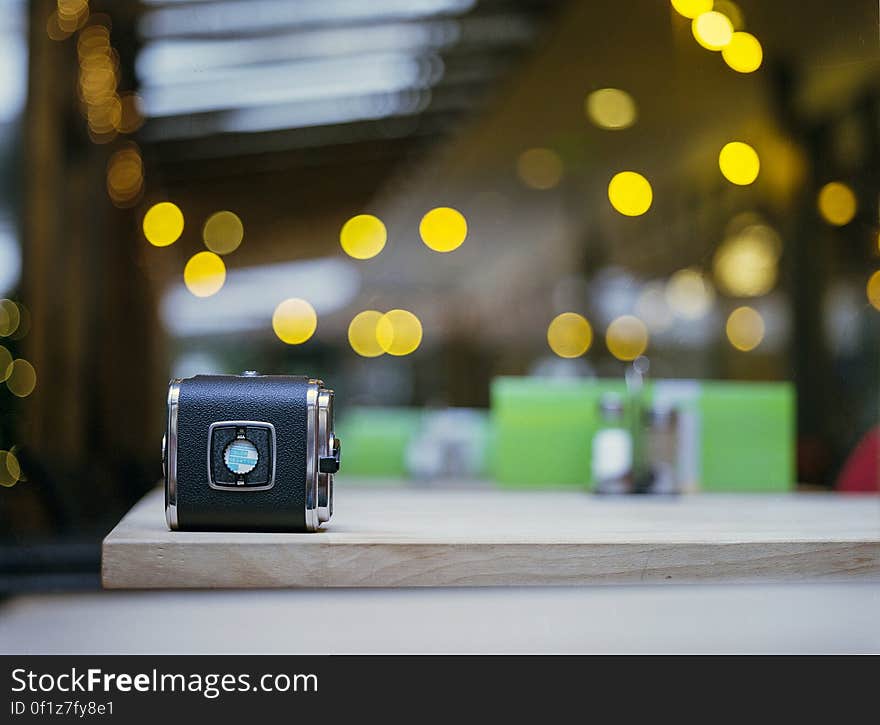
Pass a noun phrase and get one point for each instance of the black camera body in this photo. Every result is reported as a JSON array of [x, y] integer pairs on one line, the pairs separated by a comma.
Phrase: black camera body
[[249, 452]]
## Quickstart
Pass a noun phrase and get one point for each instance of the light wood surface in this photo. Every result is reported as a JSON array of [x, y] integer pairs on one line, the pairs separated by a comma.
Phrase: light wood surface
[[408, 537]]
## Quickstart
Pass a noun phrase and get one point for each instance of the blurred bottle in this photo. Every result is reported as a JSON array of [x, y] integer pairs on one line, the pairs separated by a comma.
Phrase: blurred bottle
[[663, 445], [612, 450], [637, 448]]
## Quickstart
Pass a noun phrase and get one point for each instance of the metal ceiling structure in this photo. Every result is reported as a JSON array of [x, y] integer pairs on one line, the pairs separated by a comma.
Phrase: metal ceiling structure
[[263, 79]]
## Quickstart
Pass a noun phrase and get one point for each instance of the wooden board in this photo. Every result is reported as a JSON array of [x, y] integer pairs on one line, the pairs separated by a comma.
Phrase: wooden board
[[408, 537]]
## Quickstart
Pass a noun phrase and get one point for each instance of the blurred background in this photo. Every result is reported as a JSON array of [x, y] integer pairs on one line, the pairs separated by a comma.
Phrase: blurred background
[[469, 217]]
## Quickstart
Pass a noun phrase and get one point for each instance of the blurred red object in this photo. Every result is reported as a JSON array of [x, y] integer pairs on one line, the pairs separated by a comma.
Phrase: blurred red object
[[861, 472]]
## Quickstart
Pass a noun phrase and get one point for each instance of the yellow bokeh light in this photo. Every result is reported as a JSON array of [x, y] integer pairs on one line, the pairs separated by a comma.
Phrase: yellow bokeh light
[[294, 321], [837, 203], [743, 53], [98, 73], [10, 317], [54, 29], [125, 176], [24, 322], [363, 236], [92, 39], [689, 294], [692, 8], [745, 328], [443, 229], [362, 334], [5, 363], [746, 265], [132, 118], [97, 80], [712, 30], [13, 467], [10, 469], [223, 232], [204, 274], [539, 168], [630, 193], [569, 335], [627, 337], [105, 117], [611, 108], [163, 224], [873, 290], [72, 14], [72, 8], [739, 163], [399, 332], [21, 378]]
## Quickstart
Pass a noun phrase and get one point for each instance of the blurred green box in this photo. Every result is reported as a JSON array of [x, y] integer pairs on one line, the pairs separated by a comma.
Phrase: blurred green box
[[737, 436], [374, 440], [747, 432], [543, 428]]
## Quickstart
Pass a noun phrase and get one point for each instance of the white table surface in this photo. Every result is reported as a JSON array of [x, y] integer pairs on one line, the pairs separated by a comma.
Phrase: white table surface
[[786, 618]]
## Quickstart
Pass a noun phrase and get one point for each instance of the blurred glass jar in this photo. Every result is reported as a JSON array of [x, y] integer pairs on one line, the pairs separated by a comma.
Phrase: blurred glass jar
[[663, 444], [612, 449]]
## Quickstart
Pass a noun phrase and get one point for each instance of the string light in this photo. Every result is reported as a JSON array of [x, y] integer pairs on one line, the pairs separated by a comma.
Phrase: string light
[[630, 193], [712, 30], [611, 108], [21, 378], [743, 53], [837, 203], [443, 229], [223, 232], [5, 364], [362, 334], [399, 332], [10, 469], [204, 274], [692, 8], [569, 335], [163, 224], [363, 236], [10, 318], [739, 163], [745, 328], [746, 265], [294, 321], [873, 290], [125, 176], [626, 337], [131, 118]]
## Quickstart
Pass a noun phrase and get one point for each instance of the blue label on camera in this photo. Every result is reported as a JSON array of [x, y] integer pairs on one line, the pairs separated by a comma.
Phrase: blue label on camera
[[241, 456]]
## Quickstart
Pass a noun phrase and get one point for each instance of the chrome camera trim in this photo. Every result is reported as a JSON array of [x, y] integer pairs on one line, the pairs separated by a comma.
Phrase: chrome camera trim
[[169, 454]]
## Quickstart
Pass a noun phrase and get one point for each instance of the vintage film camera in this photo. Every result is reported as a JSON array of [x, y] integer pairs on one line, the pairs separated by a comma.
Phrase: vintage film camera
[[249, 452]]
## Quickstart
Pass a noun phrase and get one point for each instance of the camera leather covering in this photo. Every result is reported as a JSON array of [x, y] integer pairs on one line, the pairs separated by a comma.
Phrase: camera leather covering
[[206, 399]]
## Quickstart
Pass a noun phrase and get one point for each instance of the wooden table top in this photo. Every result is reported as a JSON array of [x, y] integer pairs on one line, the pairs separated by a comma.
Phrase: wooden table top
[[404, 537]]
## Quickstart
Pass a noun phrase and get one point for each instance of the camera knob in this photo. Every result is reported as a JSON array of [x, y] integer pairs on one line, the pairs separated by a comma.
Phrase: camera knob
[[330, 464]]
